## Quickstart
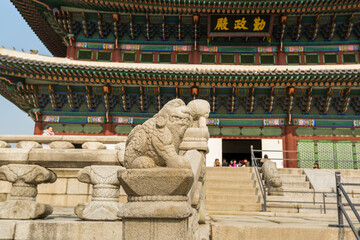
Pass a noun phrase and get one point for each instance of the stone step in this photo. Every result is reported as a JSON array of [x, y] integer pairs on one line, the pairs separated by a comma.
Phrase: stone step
[[297, 185], [232, 206], [297, 193], [229, 170], [351, 179], [282, 207], [309, 199], [232, 183], [227, 178], [232, 198], [292, 178], [227, 190], [221, 175], [352, 189], [290, 171], [348, 172]]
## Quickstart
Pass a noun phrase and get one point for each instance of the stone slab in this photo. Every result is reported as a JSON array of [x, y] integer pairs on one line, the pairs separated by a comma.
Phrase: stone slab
[[65, 230], [195, 159], [5, 187], [14, 156], [322, 180], [58, 187], [76, 187], [276, 228], [73, 139], [63, 200], [72, 158], [66, 172], [7, 229]]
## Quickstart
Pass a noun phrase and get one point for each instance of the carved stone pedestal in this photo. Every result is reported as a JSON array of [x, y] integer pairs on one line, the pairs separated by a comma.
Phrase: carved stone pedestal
[[25, 179], [104, 204], [157, 206]]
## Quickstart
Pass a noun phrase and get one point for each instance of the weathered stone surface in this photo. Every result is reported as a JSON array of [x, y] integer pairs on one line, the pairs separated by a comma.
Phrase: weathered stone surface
[[30, 174], [76, 139], [66, 230], [156, 142], [61, 200], [322, 180], [120, 146], [195, 159], [7, 230], [93, 145], [73, 158], [4, 145], [157, 206], [25, 178], [28, 144], [287, 227], [58, 187], [14, 155], [121, 157], [104, 204], [61, 145], [197, 135], [158, 229], [5, 187], [24, 209], [76, 187], [156, 181], [121, 152]]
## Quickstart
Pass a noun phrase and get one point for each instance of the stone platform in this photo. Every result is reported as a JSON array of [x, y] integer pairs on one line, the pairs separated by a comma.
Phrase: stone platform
[[64, 225]]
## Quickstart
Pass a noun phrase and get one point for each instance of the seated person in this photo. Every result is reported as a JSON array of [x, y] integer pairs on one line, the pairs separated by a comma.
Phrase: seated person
[[225, 163], [217, 163], [316, 166]]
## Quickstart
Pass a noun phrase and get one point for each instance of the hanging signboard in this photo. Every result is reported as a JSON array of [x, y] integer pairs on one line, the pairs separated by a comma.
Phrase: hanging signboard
[[227, 25]]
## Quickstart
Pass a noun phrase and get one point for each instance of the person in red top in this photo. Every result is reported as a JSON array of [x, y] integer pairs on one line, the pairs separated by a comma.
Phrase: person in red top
[[49, 131]]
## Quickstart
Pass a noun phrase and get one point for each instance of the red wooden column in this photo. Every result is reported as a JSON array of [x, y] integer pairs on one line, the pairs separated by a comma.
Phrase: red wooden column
[[117, 55], [290, 144], [108, 129], [281, 58], [71, 52], [39, 128]]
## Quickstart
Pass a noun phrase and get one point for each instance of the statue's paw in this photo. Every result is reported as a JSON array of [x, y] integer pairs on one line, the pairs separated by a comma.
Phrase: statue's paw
[[185, 163], [143, 162], [179, 162]]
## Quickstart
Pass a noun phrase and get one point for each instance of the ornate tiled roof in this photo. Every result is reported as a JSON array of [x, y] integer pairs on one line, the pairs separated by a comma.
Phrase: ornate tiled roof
[[13, 63], [41, 15]]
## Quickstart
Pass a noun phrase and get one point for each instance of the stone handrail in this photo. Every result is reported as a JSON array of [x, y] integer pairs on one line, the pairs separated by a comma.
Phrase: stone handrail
[[60, 152], [69, 138]]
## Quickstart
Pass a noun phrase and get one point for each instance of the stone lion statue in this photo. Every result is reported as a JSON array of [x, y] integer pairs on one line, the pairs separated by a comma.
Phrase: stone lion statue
[[272, 178], [156, 142]]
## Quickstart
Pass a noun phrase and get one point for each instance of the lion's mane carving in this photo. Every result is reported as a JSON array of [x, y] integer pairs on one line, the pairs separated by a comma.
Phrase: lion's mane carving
[[156, 142]]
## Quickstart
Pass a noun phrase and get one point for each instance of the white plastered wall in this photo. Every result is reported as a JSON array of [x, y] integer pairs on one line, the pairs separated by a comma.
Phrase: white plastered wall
[[273, 144], [215, 151]]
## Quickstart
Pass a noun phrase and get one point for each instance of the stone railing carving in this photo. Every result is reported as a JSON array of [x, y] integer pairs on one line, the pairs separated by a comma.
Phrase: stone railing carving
[[24, 179], [64, 157], [164, 179], [165, 175], [104, 204]]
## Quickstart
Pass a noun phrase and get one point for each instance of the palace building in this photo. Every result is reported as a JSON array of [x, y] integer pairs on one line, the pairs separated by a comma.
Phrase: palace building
[[278, 74]]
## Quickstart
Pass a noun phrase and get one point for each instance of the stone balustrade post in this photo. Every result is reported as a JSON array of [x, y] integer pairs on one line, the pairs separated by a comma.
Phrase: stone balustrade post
[[104, 203], [24, 179], [157, 206]]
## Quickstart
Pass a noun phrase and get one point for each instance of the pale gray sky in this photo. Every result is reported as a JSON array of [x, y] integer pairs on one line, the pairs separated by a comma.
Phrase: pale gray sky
[[15, 32]]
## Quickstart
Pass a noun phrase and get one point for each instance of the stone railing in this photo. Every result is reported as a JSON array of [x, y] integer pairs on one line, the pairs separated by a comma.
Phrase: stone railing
[[42, 172], [163, 178], [65, 156]]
